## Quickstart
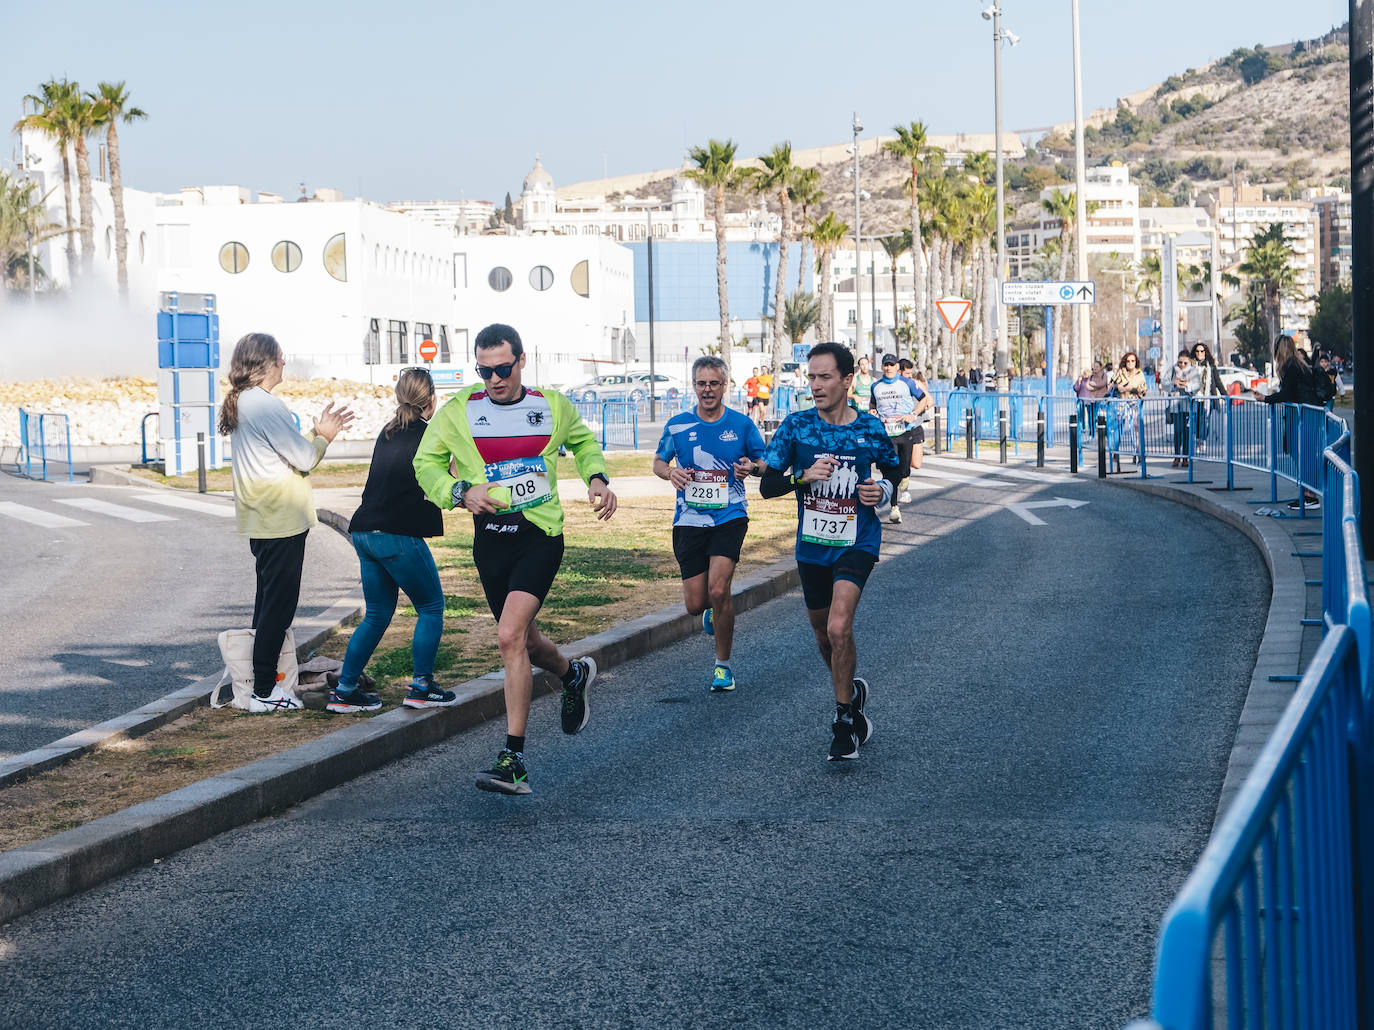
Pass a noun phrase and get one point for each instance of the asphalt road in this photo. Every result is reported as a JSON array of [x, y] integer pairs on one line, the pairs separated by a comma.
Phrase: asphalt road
[[1053, 712], [107, 614]]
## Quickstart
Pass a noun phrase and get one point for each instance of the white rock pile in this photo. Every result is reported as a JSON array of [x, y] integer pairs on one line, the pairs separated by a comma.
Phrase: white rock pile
[[108, 412]]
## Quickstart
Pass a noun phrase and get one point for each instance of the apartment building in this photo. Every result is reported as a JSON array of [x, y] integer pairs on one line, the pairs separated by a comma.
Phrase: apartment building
[[1240, 213], [1113, 226], [1333, 234]]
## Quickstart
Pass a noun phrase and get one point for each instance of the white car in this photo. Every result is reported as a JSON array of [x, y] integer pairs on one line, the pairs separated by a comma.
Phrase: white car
[[1250, 381], [633, 387]]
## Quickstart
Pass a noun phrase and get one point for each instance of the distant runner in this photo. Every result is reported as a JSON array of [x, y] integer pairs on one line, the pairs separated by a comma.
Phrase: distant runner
[[503, 442], [897, 401], [715, 449], [827, 456]]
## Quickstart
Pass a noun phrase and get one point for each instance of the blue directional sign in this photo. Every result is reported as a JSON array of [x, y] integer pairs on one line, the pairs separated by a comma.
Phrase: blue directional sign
[[1038, 294]]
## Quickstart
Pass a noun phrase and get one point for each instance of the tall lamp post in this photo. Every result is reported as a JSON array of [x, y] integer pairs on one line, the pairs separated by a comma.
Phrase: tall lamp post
[[858, 246], [1081, 175], [648, 207], [1000, 36]]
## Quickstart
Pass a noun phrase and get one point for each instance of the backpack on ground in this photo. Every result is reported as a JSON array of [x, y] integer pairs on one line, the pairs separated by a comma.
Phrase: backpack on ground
[[236, 647]]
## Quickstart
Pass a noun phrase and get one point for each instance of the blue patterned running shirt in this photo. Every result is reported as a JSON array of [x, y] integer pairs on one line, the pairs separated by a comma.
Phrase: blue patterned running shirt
[[711, 449], [830, 519]]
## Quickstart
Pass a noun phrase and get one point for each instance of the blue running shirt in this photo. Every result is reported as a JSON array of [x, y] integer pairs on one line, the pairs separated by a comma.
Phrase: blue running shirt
[[893, 398], [830, 519], [712, 448]]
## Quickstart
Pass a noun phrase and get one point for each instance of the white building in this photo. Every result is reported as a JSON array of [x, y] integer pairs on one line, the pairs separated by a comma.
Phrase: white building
[[460, 217], [1114, 226], [1241, 213]]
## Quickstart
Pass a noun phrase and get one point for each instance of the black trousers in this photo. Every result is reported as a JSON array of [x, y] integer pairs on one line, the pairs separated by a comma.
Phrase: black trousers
[[279, 565], [904, 444]]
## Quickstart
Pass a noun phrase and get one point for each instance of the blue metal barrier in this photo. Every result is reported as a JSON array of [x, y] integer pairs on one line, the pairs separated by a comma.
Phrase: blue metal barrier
[[143, 437], [619, 424], [44, 437], [1282, 889]]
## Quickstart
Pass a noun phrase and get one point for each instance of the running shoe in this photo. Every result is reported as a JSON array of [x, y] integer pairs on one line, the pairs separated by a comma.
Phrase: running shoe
[[723, 680], [280, 700], [905, 498], [424, 694], [844, 743], [863, 727], [355, 700], [1311, 502], [708, 622], [576, 711], [895, 515], [507, 776]]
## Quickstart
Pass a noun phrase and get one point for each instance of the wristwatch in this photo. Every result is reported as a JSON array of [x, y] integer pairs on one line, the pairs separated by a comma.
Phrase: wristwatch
[[600, 476], [460, 490]]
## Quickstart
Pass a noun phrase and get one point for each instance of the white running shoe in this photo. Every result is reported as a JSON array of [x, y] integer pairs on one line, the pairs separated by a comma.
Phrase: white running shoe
[[895, 515], [905, 498], [280, 700]]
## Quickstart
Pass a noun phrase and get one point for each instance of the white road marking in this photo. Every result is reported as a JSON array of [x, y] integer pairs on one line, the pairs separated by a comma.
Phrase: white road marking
[[224, 511], [38, 517], [1000, 470], [1023, 509], [117, 511]]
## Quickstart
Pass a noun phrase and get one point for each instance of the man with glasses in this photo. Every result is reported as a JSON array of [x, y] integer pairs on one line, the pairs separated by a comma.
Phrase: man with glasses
[[493, 449], [715, 449]]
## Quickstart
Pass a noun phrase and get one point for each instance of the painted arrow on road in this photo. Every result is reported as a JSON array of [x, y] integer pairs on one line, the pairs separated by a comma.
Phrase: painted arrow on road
[[1024, 510]]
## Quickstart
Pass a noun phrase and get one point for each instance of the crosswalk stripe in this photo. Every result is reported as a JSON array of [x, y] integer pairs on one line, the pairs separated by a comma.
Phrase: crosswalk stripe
[[954, 477], [224, 511], [117, 511], [38, 517], [1009, 473]]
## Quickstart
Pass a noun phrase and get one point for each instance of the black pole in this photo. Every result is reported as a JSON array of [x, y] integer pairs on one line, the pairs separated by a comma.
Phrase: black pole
[[200, 462], [1073, 442], [937, 430], [1101, 446], [1002, 434], [1361, 255], [968, 433], [1039, 439]]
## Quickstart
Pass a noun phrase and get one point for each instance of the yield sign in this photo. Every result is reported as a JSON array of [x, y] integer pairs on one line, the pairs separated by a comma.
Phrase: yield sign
[[953, 310]]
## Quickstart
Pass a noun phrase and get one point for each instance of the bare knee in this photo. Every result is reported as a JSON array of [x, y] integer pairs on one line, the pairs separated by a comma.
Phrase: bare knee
[[838, 631], [512, 640], [720, 593]]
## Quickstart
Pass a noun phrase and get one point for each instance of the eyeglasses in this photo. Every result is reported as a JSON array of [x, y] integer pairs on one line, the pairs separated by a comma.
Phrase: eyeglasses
[[413, 368], [500, 371], [714, 384]]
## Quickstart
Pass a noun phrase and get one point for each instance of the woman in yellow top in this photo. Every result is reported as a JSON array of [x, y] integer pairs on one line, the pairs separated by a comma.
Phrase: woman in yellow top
[[272, 460]]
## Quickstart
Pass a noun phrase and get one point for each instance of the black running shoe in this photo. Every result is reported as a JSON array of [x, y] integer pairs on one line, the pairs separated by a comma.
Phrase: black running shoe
[[507, 776], [845, 744], [424, 694], [863, 726], [576, 711], [355, 700]]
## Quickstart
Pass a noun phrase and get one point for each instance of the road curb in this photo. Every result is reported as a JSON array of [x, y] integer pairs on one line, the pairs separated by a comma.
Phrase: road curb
[[45, 871]]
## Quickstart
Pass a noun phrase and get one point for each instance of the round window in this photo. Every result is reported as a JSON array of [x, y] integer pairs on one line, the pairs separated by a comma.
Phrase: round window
[[541, 277], [579, 279], [500, 279], [336, 258], [286, 256], [233, 258]]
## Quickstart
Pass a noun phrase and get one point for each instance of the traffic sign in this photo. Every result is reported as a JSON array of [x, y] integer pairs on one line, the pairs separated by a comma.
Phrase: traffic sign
[[429, 350], [953, 310], [1035, 294]]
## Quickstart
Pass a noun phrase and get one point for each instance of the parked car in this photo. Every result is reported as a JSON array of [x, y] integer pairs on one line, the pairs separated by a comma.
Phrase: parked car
[[633, 387], [1250, 380]]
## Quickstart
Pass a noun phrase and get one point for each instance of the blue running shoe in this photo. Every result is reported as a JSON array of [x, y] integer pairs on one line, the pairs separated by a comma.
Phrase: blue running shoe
[[723, 681], [708, 622]]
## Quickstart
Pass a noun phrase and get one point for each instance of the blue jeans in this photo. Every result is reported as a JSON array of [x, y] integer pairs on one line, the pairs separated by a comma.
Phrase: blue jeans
[[388, 562]]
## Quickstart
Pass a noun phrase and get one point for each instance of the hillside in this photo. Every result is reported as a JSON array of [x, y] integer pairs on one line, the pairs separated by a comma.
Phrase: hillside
[[1278, 115]]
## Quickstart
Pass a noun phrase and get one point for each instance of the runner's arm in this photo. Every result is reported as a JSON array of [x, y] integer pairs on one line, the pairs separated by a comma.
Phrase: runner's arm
[[432, 465], [776, 482], [581, 441]]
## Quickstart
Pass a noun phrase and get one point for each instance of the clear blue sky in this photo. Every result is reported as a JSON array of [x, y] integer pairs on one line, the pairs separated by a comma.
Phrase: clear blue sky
[[420, 100]]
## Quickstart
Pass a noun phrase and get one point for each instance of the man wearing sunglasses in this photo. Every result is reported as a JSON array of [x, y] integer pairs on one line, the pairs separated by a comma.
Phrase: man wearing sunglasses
[[716, 449], [493, 449]]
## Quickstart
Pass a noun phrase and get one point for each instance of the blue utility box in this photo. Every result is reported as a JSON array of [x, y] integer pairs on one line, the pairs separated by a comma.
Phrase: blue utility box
[[187, 331], [187, 379]]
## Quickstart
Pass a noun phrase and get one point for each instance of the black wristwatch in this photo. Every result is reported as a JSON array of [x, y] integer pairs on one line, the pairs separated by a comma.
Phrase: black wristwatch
[[600, 476], [460, 490]]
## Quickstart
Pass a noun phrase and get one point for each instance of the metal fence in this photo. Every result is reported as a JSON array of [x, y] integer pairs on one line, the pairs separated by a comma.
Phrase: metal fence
[[45, 438], [616, 423], [1273, 927]]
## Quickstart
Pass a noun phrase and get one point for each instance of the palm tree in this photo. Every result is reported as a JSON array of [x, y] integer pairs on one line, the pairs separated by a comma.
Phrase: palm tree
[[941, 203], [776, 176], [913, 146], [805, 192], [51, 117], [716, 171], [1269, 266], [21, 216], [85, 120], [826, 236], [981, 167], [895, 246], [801, 313], [980, 203], [1062, 206], [112, 100]]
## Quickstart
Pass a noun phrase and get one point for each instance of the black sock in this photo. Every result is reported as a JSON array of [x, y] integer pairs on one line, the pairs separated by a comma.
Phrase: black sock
[[574, 674], [516, 744]]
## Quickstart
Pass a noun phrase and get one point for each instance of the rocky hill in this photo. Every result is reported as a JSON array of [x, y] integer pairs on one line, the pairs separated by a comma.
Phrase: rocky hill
[[1278, 116]]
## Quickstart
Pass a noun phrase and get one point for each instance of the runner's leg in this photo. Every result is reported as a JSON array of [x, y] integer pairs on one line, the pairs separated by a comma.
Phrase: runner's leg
[[694, 594], [513, 637], [720, 584], [839, 630]]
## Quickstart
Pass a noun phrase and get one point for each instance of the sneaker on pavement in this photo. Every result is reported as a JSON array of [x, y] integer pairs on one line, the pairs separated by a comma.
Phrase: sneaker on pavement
[[723, 680], [280, 700], [905, 498], [507, 776], [844, 743], [576, 711], [424, 694], [895, 515], [355, 700], [863, 726], [708, 622], [1311, 502]]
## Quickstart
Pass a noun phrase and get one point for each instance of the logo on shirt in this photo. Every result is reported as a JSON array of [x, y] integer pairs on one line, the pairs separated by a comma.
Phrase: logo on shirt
[[534, 418], [692, 435], [728, 436], [482, 420]]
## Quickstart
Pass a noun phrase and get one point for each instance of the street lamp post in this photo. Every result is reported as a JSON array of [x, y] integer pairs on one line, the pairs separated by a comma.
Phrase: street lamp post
[[648, 206], [858, 246], [1080, 172], [1000, 36]]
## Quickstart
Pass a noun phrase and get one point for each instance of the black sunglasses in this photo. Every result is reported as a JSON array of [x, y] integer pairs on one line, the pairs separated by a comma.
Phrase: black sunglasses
[[500, 371]]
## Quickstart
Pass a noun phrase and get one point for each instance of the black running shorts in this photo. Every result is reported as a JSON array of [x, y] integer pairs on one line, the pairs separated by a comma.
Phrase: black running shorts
[[526, 560], [918, 435], [818, 581], [695, 546]]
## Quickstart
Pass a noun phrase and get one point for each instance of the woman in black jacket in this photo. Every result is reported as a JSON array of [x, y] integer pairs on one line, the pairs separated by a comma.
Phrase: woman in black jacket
[[1296, 386], [388, 532]]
